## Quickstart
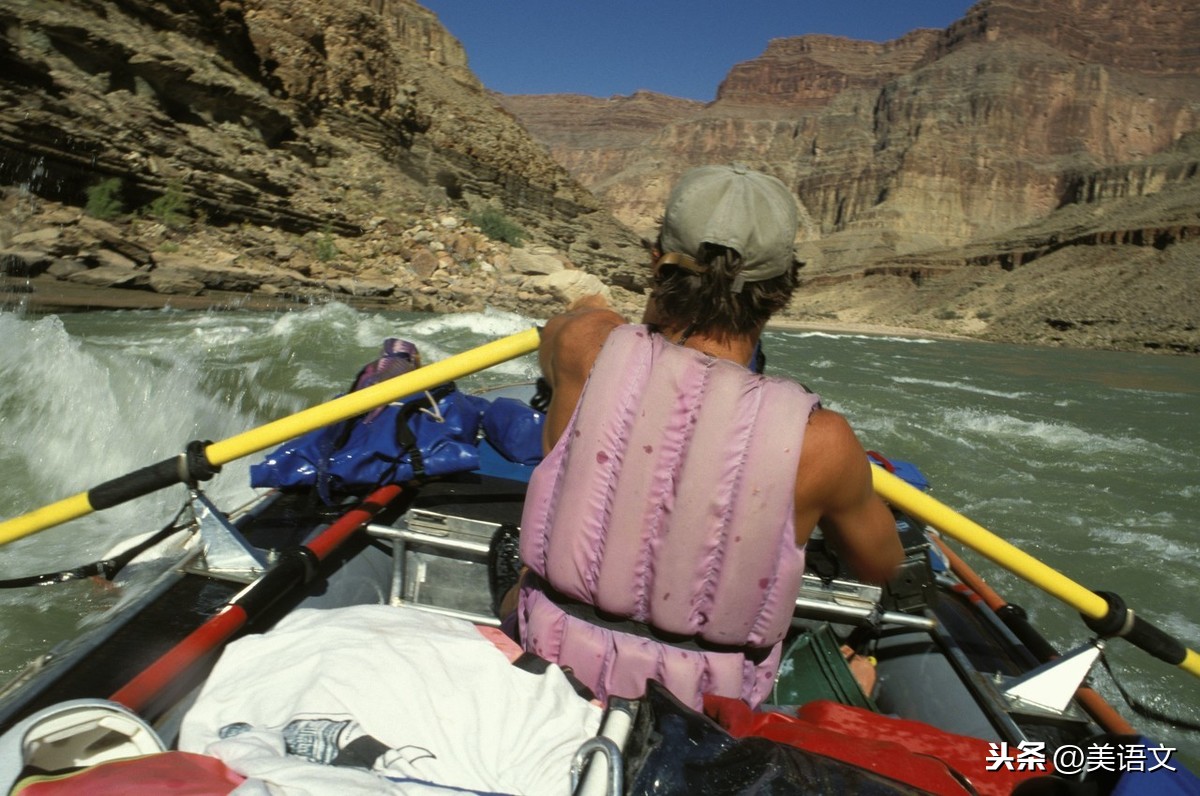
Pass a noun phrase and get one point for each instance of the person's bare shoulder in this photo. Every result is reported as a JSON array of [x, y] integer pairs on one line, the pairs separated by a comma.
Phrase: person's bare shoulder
[[570, 344], [831, 457], [571, 341]]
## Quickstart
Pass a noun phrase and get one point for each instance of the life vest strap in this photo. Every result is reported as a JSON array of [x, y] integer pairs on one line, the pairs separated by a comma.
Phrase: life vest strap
[[619, 624]]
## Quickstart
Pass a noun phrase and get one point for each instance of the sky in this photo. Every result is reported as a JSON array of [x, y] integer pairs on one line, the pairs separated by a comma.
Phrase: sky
[[684, 49]]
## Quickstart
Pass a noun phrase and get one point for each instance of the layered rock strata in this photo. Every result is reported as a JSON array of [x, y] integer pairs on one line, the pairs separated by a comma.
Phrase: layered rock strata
[[302, 117], [998, 178], [950, 140]]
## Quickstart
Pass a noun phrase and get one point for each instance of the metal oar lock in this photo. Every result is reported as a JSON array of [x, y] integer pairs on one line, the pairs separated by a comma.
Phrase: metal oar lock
[[1052, 685], [227, 554]]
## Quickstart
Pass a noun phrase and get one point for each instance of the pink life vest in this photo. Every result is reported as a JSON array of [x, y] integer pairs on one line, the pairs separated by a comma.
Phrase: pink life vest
[[661, 526]]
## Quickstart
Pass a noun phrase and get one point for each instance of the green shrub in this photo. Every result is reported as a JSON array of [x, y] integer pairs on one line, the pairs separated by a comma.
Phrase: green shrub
[[327, 250], [104, 199], [497, 226], [171, 209]]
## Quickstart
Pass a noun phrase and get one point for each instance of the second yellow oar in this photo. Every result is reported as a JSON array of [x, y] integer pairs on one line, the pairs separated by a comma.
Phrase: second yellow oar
[[1109, 614]]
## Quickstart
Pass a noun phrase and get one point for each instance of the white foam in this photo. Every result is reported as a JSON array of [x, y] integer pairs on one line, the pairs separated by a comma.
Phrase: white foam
[[489, 323], [961, 386], [324, 318], [1043, 433], [78, 414], [853, 336]]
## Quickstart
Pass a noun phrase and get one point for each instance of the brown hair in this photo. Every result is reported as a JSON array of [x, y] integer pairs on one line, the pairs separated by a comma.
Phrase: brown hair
[[706, 300]]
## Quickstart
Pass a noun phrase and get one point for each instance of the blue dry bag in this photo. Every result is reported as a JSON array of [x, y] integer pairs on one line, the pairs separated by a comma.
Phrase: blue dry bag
[[421, 435]]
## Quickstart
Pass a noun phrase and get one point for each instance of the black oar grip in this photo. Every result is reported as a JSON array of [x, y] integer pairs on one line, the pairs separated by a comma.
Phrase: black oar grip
[[187, 468], [135, 484], [195, 461], [1121, 621], [1157, 642]]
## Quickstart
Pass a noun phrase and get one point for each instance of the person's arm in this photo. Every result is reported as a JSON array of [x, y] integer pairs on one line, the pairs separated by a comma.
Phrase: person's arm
[[570, 344], [833, 490]]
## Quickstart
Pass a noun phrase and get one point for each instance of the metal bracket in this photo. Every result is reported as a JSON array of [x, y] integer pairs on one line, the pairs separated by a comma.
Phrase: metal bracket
[[1052, 685], [401, 538], [850, 602], [227, 554]]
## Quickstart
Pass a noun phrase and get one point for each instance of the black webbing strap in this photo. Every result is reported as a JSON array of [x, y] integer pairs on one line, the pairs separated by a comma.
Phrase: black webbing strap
[[106, 568], [589, 614], [535, 664]]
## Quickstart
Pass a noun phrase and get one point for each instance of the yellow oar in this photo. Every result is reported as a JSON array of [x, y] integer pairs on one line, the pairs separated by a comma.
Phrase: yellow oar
[[199, 458], [1113, 617]]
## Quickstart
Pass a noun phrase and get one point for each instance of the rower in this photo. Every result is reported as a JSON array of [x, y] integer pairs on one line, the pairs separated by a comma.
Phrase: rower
[[664, 532]]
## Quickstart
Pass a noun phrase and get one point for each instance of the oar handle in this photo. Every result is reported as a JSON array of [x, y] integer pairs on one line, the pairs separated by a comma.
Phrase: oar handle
[[1099, 612], [188, 467], [1120, 620]]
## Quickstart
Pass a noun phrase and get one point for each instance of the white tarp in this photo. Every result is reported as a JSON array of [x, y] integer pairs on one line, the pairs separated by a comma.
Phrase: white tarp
[[376, 699]]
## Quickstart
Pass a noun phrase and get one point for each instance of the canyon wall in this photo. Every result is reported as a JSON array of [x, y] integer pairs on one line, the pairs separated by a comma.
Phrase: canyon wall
[[297, 115], [929, 147]]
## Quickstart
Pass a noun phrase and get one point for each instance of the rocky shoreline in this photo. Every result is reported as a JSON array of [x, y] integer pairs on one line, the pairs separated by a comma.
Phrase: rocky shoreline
[[45, 295], [54, 258]]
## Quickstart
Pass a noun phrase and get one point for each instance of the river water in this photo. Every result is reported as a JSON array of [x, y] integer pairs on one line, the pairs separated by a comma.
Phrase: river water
[[1089, 461]]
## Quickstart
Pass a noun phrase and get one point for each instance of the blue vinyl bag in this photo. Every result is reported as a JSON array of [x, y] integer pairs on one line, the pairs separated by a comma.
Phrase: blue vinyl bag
[[398, 443], [901, 469], [421, 435], [514, 428]]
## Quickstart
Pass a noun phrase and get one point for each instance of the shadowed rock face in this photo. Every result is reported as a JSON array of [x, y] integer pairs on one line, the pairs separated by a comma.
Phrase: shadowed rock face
[[299, 115], [958, 147]]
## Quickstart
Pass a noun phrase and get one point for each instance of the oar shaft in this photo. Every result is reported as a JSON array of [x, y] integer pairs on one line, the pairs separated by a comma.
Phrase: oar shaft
[[46, 517], [1014, 618], [111, 493], [249, 604], [896, 491], [1108, 619]]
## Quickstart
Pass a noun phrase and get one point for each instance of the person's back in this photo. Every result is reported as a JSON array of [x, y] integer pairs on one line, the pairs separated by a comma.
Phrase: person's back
[[665, 528]]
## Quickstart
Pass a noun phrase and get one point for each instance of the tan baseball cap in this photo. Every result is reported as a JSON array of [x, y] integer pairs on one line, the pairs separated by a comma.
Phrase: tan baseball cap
[[747, 211]]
